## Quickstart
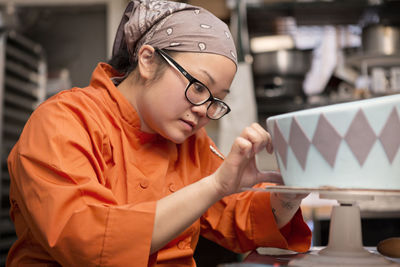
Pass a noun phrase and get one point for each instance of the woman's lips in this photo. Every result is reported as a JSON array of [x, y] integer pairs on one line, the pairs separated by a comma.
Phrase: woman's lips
[[190, 124]]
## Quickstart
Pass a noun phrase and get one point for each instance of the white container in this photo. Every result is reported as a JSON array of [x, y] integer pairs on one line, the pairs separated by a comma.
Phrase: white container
[[349, 145]]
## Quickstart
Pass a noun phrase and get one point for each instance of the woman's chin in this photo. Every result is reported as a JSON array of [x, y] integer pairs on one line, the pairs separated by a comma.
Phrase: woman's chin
[[177, 138]]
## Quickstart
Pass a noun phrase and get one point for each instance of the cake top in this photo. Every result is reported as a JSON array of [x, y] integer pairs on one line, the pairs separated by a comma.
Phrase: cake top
[[390, 99]]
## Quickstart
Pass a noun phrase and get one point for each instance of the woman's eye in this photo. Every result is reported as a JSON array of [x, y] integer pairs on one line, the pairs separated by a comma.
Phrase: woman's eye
[[199, 87]]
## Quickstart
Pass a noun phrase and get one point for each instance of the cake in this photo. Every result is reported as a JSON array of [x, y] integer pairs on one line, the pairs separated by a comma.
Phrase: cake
[[349, 145]]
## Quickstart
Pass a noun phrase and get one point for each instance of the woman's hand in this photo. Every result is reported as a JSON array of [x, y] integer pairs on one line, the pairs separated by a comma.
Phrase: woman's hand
[[239, 169], [285, 205], [291, 197]]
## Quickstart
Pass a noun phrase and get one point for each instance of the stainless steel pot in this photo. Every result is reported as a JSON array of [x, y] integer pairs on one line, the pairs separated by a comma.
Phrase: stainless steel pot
[[381, 39], [291, 62]]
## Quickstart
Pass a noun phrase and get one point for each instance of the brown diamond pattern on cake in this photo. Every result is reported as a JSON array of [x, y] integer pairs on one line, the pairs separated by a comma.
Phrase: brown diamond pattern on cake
[[389, 136], [360, 137], [326, 140], [299, 142], [280, 143]]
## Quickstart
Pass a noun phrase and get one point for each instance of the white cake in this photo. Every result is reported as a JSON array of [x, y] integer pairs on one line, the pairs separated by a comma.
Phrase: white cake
[[349, 145]]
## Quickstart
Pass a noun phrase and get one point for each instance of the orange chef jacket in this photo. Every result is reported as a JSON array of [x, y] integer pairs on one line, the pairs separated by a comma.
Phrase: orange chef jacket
[[85, 180]]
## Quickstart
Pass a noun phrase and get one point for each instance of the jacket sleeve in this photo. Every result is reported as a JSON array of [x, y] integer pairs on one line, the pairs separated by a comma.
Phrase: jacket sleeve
[[56, 173], [244, 221]]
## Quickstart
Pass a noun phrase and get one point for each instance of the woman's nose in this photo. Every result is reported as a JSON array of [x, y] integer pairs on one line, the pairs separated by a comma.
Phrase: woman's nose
[[201, 110]]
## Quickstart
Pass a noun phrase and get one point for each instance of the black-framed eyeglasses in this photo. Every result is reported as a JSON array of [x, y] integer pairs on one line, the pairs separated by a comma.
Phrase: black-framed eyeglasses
[[197, 93]]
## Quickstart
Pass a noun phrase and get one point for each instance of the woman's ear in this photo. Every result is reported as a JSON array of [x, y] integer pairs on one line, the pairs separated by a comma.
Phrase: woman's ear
[[147, 62]]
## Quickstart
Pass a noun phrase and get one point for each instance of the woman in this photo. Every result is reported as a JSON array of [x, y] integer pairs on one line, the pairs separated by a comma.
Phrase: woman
[[122, 172]]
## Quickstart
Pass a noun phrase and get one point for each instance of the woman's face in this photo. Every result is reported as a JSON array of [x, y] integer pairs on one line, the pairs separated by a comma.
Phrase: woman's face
[[163, 107]]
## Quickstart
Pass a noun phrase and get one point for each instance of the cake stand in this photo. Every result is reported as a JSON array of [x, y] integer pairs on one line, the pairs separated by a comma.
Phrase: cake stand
[[345, 246]]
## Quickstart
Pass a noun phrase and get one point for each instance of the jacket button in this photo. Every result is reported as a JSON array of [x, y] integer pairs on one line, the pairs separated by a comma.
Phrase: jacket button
[[144, 184], [172, 187]]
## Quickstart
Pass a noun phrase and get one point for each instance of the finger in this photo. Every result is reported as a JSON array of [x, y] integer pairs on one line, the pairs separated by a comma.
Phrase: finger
[[259, 128], [266, 136], [270, 147], [263, 133], [241, 147], [270, 177], [256, 137]]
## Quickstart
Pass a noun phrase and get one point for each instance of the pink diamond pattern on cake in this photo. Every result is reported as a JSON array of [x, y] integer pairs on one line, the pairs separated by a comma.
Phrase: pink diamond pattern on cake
[[326, 140], [299, 142], [390, 135], [280, 143], [360, 144]]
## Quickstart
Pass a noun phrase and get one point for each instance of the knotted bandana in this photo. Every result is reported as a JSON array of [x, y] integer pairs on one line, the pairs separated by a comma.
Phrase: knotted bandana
[[174, 26]]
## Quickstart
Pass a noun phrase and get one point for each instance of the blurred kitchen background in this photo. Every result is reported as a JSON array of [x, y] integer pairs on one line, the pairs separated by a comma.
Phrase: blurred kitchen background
[[294, 54]]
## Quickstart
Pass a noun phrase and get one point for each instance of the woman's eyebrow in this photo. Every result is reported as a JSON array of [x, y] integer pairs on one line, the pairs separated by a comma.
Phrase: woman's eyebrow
[[208, 75], [212, 80]]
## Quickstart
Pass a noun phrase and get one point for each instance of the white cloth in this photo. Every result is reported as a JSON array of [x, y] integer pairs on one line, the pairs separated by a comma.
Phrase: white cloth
[[242, 102], [323, 64]]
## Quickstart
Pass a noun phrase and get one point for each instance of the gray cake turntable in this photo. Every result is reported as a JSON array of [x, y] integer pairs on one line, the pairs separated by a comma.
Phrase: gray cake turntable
[[345, 247]]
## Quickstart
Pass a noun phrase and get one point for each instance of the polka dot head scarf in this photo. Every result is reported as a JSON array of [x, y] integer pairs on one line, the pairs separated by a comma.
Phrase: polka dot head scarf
[[173, 26]]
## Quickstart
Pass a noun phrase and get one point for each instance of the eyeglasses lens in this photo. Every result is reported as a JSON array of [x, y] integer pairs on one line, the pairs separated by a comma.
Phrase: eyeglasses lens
[[216, 110], [197, 93]]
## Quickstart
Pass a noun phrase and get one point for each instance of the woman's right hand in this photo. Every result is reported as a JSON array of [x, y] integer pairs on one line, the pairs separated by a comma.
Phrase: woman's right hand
[[239, 170]]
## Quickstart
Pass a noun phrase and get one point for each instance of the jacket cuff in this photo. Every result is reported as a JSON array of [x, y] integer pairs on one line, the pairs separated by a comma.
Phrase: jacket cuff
[[125, 231], [294, 236]]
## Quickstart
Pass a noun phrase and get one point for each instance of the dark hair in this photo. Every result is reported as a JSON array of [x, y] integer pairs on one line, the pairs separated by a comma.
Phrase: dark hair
[[121, 62]]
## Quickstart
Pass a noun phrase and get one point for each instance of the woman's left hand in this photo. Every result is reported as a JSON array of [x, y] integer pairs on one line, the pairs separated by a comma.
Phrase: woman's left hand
[[291, 197], [285, 205]]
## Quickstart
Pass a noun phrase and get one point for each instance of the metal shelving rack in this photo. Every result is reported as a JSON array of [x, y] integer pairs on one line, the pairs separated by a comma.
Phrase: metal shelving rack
[[23, 87]]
